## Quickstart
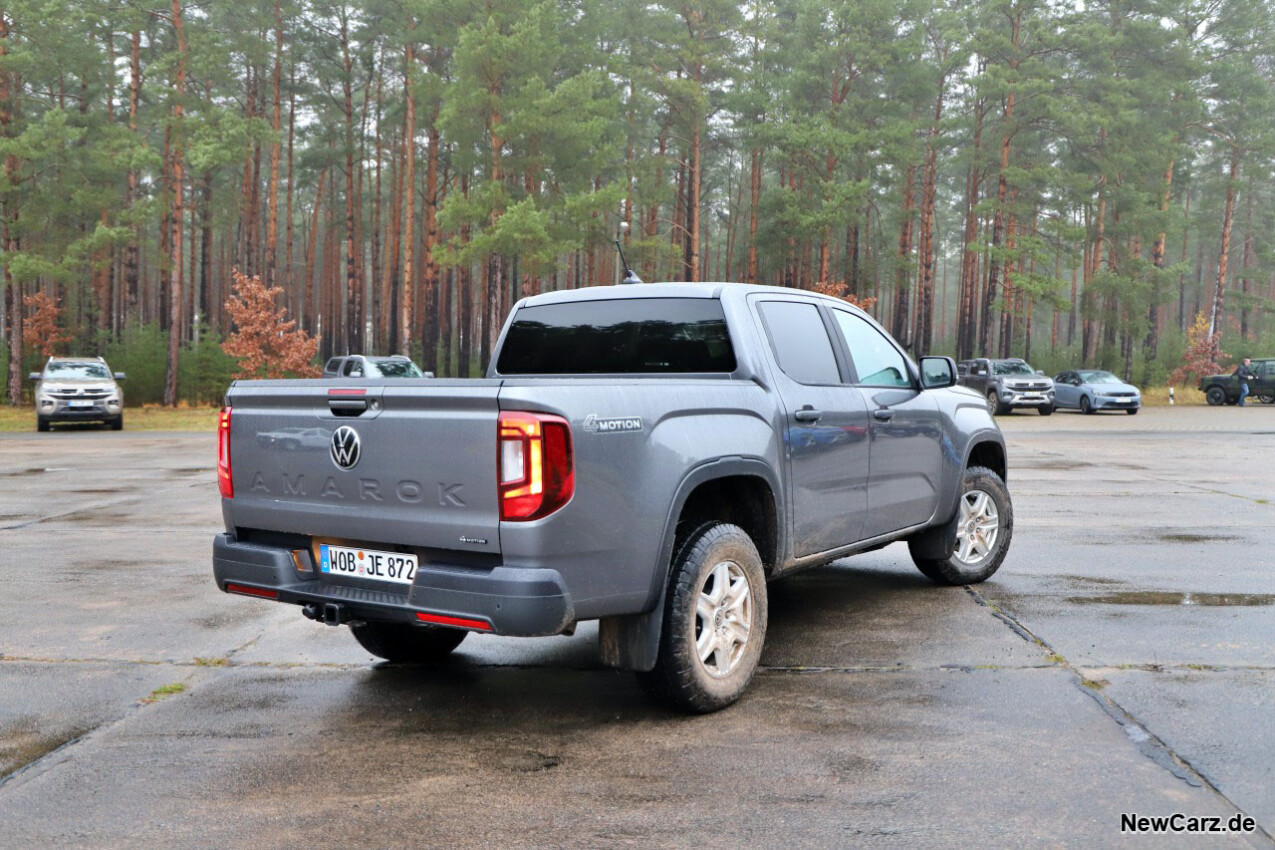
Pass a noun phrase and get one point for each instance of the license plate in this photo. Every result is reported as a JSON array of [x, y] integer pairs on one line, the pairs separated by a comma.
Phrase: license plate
[[393, 567], [83, 403]]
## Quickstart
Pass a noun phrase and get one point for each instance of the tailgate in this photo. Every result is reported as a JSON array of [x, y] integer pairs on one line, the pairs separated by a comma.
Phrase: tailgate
[[393, 462]]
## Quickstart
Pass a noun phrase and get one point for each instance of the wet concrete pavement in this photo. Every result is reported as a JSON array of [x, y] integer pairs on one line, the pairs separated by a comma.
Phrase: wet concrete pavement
[[1121, 661]]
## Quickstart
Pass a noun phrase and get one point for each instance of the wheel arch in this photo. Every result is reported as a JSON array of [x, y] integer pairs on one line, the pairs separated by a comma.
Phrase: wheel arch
[[742, 491]]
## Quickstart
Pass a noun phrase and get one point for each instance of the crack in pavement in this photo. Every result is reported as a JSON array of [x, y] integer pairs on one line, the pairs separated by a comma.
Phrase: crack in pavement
[[100, 505], [1148, 743]]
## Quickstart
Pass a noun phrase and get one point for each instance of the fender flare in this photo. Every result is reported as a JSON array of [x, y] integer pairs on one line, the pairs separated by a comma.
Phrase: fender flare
[[632, 642]]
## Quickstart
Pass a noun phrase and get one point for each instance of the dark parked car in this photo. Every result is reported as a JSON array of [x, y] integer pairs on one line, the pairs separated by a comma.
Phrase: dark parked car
[[1225, 389], [1091, 390], [363, 366]]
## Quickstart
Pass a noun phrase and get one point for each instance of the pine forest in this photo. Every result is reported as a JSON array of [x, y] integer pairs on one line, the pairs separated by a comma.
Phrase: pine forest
[[1075, 182]]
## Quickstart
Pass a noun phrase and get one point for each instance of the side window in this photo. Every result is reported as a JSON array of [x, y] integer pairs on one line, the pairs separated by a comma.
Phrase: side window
[[353, 369], [800, 342], [878, 363], [333, 365]]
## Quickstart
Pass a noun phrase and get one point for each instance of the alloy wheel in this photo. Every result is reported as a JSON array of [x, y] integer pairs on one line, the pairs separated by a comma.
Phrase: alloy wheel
[[978, 528]]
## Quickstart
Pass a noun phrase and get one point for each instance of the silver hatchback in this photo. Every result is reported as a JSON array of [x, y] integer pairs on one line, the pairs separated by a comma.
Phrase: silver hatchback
[[78, 389]]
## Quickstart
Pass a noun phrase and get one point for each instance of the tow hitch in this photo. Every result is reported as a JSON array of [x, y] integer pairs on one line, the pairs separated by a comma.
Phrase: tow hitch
[[331, 613]]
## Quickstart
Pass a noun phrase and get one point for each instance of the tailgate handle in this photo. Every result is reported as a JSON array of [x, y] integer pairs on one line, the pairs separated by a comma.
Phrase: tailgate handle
[[347, 406]]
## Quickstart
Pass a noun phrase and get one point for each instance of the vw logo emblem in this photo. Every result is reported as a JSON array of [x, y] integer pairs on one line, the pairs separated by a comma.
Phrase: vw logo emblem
[[345, 447]]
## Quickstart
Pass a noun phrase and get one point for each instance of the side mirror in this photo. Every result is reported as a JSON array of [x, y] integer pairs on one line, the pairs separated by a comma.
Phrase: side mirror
[[937, 372], [34, 376], [119, 376]]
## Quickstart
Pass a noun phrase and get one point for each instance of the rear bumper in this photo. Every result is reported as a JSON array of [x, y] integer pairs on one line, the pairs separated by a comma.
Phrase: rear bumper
[[514, 601]]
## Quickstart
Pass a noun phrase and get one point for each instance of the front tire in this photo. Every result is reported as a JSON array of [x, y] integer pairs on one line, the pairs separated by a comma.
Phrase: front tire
[[994, 403], [1133, 411], [1046, 409], [117, 424], [977, 541], [1085, 407], [1215, 396], [404, 642], [41, 423], [714, 622]]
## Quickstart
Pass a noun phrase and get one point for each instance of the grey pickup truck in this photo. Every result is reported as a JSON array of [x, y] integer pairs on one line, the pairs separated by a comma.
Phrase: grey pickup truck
[[647, 456]]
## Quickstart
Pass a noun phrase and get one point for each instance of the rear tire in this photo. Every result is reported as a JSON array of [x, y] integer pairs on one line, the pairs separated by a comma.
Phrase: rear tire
[[404, 642], [714, 622], [1215, 396], [977, 541], [41, 423]]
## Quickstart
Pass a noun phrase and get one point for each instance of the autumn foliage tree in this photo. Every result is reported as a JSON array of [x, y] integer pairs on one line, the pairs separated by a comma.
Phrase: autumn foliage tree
[[267, 344], [840, 289], [41, 329], [1203, 352]]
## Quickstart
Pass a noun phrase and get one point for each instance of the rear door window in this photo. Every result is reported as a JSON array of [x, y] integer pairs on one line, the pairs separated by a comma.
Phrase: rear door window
[[622, 336], [800, 341]]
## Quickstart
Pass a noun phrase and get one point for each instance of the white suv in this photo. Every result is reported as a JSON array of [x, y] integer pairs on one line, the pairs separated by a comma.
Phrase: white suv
[[78, 389]]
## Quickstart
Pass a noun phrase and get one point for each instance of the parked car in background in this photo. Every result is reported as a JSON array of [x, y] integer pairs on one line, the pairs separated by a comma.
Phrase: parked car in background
[[363, 366], [1225, 389], [78, 389], [1007, 384], [1091, 390]]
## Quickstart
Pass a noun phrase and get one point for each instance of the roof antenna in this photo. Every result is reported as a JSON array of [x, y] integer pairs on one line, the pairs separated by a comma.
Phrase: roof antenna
[[629, 275]]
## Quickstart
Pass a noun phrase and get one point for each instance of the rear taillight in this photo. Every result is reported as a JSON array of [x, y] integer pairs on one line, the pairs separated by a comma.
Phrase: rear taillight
[[223, 454], [537, 473]]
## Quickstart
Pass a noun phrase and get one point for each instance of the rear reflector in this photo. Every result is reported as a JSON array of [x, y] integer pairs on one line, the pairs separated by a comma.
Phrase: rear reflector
[[459, 622], [347, 392], [245, 590]]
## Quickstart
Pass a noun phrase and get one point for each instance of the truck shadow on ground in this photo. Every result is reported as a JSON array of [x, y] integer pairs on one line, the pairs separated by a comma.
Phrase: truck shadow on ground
[[836, 616]]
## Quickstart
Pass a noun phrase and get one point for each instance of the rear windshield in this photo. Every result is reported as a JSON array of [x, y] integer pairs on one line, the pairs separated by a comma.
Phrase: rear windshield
[[632, 335]]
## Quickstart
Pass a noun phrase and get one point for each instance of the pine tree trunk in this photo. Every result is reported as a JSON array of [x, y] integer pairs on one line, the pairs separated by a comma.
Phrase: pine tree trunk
[[276, 144], [10, 89], [754, 199], [900, 326], [311, 260], [923, 334], [409, 200], [431, 243], [297, 309], [130, 197], [1228, 218], [353, 291], [175, 273], [1152, 343]]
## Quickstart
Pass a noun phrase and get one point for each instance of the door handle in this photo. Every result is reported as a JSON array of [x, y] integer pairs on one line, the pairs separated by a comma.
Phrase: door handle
[[808, 414], [884, 414]]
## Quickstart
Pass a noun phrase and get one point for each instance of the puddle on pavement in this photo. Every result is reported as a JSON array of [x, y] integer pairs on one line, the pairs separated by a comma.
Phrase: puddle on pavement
[[1159, 597], [1182, 537], [1090, 580]]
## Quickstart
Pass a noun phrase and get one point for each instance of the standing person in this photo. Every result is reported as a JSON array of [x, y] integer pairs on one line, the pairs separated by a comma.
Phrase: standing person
[[1245, 373]]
